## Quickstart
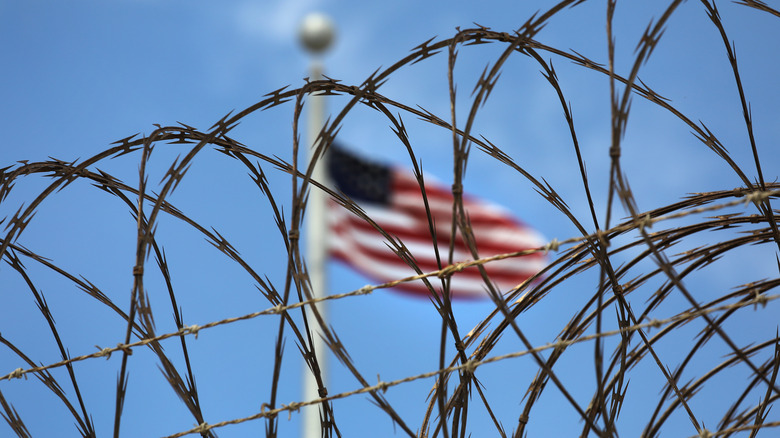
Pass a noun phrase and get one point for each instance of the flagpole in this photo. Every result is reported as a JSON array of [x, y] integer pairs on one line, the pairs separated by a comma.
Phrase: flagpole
[[316, 35]]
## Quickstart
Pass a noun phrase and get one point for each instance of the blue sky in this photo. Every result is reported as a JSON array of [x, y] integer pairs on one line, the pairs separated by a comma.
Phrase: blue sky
[[77, 76]]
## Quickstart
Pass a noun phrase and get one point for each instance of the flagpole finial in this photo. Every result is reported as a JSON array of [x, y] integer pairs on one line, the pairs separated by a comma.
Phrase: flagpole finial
[[317, 32]]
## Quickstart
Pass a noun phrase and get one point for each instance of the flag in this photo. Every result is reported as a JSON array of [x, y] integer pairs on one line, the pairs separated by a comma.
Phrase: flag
[[391, 197]]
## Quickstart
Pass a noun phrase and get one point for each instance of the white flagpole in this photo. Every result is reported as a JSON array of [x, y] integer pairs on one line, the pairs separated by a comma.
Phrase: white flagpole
[[316, 35]]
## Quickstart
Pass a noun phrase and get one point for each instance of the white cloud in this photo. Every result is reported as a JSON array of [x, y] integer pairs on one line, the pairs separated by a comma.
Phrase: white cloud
[[277, 21]]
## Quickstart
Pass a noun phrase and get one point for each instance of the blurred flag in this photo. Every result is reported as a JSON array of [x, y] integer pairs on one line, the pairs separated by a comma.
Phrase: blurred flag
[[391, 197]]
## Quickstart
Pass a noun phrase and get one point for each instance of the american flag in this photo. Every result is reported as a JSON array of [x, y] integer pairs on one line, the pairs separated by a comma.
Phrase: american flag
[[391, 197]]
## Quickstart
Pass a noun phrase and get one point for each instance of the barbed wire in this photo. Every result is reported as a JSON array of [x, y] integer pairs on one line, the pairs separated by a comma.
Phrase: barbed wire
[[581, 253], [554, 245], [472, 364]]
